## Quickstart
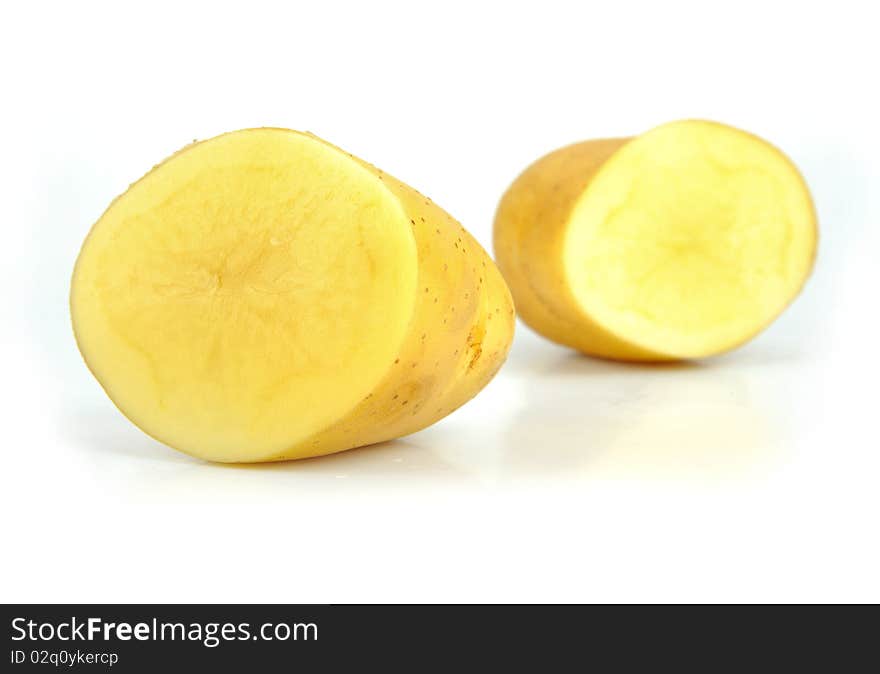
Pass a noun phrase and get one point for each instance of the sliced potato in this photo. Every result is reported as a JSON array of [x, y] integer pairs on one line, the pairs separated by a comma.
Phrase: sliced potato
[[263, 296], [683, 242]]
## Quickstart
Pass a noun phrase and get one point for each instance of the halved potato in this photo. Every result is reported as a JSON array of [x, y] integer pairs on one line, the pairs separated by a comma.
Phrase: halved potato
[[683, 242], [264, 295]]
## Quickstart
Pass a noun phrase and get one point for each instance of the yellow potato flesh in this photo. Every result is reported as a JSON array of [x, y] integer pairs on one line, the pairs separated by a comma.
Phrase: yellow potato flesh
[[263, 296], [683, 242]]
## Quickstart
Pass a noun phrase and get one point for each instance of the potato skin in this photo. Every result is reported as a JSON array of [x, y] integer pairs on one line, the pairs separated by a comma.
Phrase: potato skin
[[459, 337], [529, 232]]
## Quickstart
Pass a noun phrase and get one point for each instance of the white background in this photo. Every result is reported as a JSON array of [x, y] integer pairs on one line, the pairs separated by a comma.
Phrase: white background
[[751, 477]]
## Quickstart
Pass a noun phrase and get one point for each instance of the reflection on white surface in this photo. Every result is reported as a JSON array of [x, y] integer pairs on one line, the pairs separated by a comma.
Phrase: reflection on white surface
[[551, 415], [591, 417]]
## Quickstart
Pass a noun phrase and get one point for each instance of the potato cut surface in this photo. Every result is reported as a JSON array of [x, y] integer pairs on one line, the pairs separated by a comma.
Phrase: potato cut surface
[[683, 242], [246, 293]]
